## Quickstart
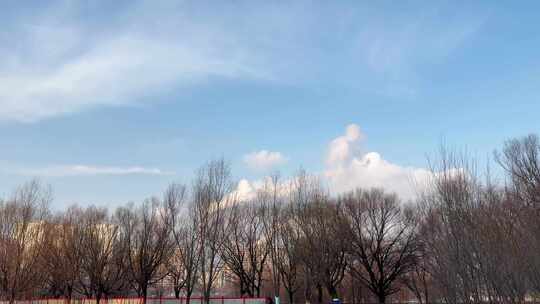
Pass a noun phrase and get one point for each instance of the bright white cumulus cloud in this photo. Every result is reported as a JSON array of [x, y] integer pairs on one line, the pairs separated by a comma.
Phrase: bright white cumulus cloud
[[343, 146], [245, 190], [347, 167], [264, 160], [87, 170]]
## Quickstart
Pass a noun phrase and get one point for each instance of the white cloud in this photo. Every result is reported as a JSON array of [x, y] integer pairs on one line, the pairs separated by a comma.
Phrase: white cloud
[[85, 170], [264, 160], [245, 190], [341, 148], [347, 168]]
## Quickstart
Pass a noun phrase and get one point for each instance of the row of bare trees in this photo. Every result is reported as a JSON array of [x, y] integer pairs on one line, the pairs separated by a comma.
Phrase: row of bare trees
[[479, 237], [467, 239]]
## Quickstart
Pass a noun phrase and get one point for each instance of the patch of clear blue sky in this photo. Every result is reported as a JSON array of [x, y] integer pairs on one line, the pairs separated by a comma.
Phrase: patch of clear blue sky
[[474, 87]]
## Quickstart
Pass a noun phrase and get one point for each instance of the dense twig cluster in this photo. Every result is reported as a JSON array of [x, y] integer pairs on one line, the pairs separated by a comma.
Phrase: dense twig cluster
[[466, 239]]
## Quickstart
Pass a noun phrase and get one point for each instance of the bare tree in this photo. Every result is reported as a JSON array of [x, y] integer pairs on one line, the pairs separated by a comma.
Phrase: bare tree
[[22, 227], [383, 240], [188, 250], [324, 244], [146, 235], [448, 216], [271, 198], [245, 250], [212, 192], [418, 279], [521, 159], [324, 240], [60, 256], [288, 254], [183, 266], [473, 236], [301, 190], [102, 255], [175, 196]]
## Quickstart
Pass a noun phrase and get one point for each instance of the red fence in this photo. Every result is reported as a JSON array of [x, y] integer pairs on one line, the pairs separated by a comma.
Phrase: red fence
[[149, 300]]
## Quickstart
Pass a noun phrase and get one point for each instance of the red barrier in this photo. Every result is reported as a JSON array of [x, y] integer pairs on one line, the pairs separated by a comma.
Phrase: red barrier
[[152, 300]]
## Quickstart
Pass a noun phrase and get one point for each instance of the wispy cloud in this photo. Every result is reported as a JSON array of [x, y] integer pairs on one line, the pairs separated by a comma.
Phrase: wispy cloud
[[70, 73], [396, 49], [86, 170], [60, 64], [116, 72]]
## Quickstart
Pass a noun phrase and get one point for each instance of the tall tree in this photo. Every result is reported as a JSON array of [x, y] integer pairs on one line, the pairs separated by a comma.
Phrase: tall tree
[[102, 255], [271, 198], [244, 250], [520, 158], [146, 235], [22, 227], [212, 192], [183, 266], [383, 240], [288, 254], [61, 260], [323, 239]]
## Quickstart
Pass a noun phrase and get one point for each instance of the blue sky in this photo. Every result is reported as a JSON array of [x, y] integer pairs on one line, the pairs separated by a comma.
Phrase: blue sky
[[111, 101]]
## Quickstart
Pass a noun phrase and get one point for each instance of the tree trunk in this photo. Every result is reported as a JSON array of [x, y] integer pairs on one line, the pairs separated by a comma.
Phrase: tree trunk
[[188, 296], [382, 298], [206, 296], [69, 294], [258, 290], [291, 296], [144, 293], [332, 291], [242, 289], [426, 291], [12, 297], [307, 289]]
